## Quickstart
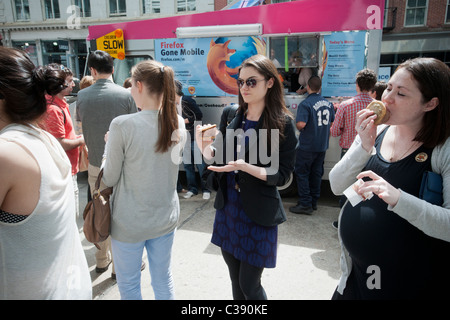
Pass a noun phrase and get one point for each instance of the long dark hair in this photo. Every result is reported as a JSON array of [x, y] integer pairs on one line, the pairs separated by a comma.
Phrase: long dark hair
[[159, 80], [433, 78], [22, 86], [275, 111]]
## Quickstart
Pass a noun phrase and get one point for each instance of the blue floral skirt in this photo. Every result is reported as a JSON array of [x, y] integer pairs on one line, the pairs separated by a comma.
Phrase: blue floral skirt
[[238, 235]]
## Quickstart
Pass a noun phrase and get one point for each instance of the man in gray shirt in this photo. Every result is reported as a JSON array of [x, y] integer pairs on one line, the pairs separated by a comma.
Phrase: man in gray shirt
[[97, 106]]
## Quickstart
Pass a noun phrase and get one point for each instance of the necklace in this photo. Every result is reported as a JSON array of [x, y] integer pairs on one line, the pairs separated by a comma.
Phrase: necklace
[[391, 159]]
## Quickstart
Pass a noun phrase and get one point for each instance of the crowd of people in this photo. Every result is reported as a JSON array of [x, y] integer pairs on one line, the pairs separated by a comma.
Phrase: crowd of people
[[137, 135]]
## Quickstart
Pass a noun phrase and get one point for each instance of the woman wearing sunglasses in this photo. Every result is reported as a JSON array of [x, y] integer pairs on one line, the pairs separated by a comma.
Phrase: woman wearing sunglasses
[[248, 204]]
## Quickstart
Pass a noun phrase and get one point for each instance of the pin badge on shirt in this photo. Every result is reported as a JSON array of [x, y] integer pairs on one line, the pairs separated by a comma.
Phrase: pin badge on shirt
[[421, 157]]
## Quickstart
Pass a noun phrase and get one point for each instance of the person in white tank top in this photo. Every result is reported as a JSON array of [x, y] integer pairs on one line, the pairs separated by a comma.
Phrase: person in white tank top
[[41, 256]]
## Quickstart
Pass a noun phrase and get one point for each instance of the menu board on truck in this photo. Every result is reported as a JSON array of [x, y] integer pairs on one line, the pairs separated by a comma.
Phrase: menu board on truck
[[343, 55]]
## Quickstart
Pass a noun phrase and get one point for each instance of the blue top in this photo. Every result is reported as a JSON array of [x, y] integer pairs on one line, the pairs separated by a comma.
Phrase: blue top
[[318, 113], [240, 236]]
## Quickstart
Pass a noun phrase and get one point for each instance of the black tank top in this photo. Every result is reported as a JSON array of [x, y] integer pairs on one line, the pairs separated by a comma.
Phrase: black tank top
[[411, 264]]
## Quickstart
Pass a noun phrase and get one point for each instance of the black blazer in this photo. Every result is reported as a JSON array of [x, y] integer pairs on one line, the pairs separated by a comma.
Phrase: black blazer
[[261, 199]]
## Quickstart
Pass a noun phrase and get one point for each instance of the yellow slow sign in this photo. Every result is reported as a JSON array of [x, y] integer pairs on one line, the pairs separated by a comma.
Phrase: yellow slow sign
[[113, 43]]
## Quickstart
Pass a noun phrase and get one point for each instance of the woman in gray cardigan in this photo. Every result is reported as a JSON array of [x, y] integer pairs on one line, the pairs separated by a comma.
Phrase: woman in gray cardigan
[[396, 245], [143, 152]]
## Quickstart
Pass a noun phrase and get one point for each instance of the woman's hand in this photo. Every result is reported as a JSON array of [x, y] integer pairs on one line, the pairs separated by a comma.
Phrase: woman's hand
[[366, 128], [231, 166], [205, 139], [384, 190], [241, 165]]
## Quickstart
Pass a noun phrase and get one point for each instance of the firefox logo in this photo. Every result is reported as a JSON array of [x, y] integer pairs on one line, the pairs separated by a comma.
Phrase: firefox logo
[[225, 57]]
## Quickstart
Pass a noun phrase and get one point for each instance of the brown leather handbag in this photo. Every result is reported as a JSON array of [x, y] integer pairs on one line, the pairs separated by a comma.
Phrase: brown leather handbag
[[97, 214]]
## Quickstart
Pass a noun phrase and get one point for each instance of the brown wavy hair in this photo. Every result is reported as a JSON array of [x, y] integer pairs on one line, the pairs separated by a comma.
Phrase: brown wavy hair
[[433, 78]]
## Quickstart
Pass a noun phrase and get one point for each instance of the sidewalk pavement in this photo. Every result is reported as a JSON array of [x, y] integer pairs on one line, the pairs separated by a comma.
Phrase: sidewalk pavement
[[307, 262]]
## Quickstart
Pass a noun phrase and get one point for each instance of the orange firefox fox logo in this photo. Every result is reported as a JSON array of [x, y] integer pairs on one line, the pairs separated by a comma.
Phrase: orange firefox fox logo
[[220, 74]]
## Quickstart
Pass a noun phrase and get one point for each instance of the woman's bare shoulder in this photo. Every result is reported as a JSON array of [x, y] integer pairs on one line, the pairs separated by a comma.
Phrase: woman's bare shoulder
[[16, 159]]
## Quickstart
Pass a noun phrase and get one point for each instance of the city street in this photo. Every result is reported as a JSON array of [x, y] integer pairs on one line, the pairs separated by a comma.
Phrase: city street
[[307, 263]]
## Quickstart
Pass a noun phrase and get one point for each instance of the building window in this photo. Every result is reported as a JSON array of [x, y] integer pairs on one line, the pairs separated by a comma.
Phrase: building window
[[55, 51], [85, 7], [447, 16], [117, 8], [51, 8], [122, 68], [78, 58], [22, 10], [29, 47], [302, 54], [416, 13], [386, 13], [393, 60], [151, 6], [185, 5]]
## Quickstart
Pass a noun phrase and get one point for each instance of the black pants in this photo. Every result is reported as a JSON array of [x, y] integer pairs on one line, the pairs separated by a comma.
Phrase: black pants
[[245, 279]]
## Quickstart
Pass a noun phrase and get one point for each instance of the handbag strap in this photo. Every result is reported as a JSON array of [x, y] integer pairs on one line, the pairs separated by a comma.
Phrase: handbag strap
[[105, 192], [99, 179]]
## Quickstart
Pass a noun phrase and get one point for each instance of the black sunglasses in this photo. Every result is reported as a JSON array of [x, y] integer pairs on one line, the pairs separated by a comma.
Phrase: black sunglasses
[[251, 83]]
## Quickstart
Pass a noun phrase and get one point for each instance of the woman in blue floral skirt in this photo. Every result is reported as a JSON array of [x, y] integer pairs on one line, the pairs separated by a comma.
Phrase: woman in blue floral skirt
[[251, 158]]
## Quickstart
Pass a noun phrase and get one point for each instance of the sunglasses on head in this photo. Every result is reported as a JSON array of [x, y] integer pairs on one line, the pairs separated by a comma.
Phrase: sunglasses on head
[[251, 83]]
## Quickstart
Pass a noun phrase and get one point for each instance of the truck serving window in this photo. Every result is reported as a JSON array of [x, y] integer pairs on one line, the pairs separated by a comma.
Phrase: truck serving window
[[292, 54], [122, 68]]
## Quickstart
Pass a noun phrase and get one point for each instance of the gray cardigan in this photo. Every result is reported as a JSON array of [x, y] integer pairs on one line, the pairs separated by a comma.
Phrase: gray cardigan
[[431, 219], [144, 202]]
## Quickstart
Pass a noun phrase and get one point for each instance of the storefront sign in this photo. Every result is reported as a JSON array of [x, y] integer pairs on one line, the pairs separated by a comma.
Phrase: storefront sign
[[384, 74]]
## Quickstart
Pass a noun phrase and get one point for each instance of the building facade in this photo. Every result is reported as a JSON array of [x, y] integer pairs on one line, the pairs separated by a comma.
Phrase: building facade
[[415, 28], [412, 28], [56, 30]]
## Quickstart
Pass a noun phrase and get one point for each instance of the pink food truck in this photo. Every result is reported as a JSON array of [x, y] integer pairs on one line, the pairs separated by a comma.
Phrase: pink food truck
[[329, 38]]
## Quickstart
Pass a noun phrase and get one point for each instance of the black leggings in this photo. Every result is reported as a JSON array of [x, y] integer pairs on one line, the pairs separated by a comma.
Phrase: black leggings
[[245, 279]]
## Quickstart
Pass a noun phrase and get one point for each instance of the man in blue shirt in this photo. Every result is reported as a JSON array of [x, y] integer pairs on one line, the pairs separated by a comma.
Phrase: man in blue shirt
[[314, 117]]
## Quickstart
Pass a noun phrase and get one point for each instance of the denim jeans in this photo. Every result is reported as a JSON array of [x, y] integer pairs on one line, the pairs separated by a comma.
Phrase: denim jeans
[[128, 261], [190, 159], [309, 172]]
